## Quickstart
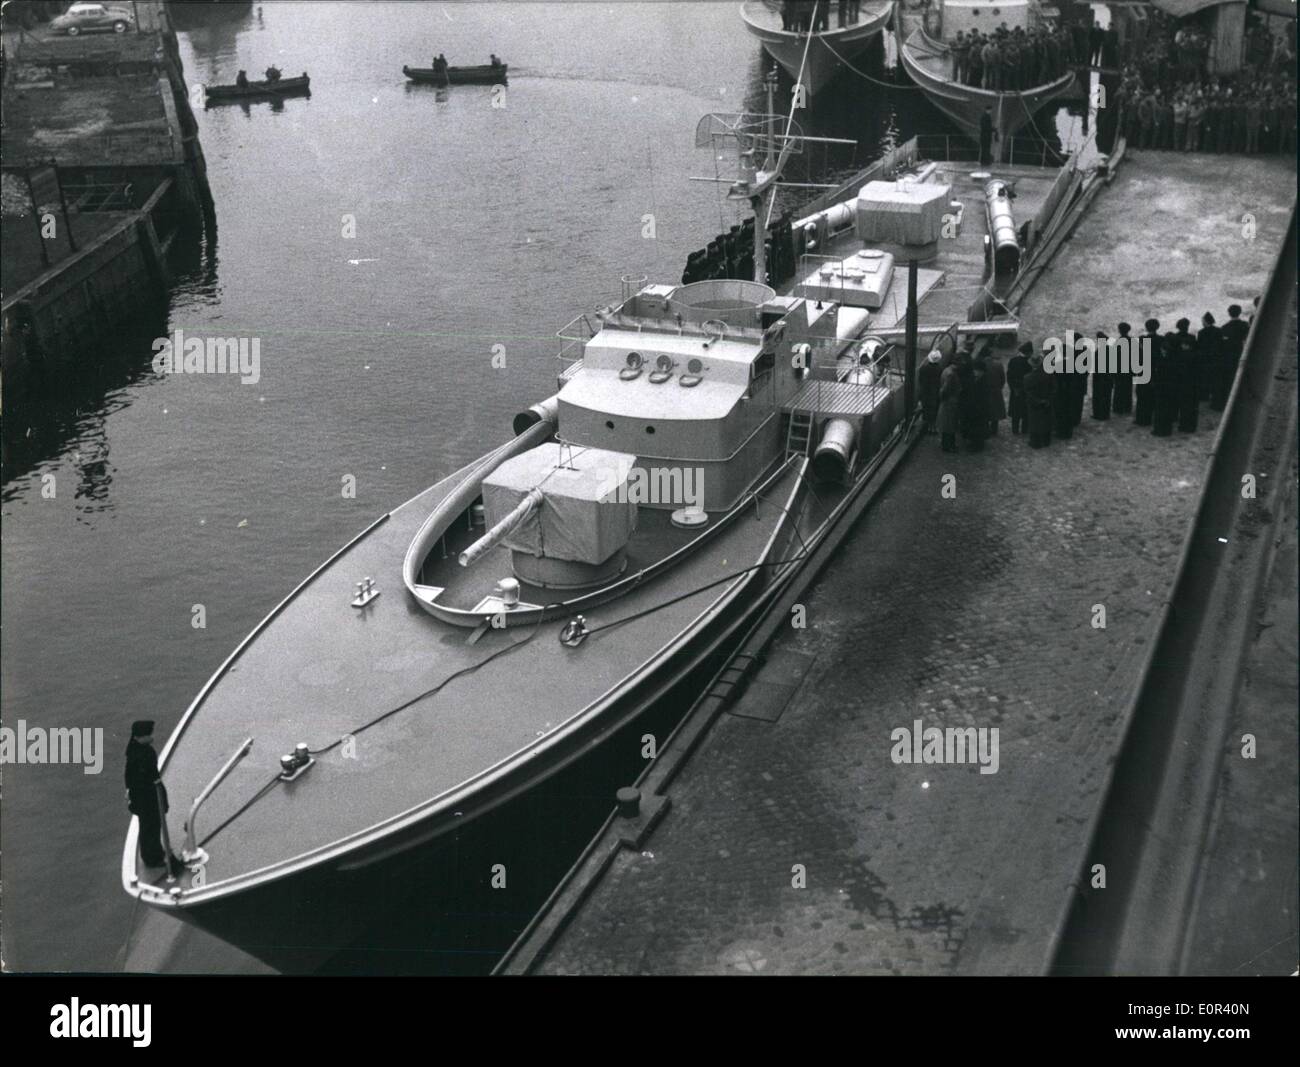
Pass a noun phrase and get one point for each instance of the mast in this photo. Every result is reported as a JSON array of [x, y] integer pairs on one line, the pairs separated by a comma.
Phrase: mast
[[761, 203]]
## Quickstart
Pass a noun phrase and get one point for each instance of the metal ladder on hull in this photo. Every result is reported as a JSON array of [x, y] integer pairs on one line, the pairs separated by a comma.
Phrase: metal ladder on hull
[[798, 433]]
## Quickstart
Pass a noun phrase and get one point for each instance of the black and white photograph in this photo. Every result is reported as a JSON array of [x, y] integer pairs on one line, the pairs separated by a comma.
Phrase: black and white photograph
[[666, 488]]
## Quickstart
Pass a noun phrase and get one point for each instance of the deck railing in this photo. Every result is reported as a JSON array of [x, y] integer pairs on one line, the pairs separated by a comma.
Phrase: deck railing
[[899, 156], [575, 334], [958, 148]]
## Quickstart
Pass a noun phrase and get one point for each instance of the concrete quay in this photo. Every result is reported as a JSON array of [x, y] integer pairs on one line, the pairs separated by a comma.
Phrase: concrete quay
[[102, 170], [793, 844]]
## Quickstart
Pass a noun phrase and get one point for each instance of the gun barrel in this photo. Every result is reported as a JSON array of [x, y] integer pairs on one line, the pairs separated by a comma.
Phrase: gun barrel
[[502, 529]]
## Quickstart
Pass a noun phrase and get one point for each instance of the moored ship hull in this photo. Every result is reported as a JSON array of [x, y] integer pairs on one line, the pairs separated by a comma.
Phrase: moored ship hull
[[828, 51], [928, 65]]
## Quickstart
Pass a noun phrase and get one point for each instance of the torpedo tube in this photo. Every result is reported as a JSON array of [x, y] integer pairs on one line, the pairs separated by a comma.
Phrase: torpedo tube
[[855, 366], [834, 453], [1002, 228], [547, 410]]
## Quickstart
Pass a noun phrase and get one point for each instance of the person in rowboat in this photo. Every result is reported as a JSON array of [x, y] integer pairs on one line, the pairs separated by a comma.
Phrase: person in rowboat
[[273, 74], [241, 79]]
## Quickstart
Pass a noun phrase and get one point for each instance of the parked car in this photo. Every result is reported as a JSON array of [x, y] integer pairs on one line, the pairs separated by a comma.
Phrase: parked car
[[93, 18]]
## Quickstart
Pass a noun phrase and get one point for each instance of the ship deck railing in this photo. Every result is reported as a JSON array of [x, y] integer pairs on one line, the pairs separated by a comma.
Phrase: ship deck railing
[[958, 148], [827, 392], [574, 334], [638, 316], [833, 399]]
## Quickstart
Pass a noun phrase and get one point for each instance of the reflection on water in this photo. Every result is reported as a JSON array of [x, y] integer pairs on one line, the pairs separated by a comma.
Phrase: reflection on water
[[63, 407]]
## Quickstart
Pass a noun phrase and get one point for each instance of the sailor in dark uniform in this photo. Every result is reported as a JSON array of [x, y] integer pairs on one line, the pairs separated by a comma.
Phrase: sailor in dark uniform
[[977, 400], [1145, 391], [1186, 378], [1209, 351], [1101, 378], [1040, 390], [949, 407], [1017, 369], [146, 796], [1122, 378], [1234, 333], [1063, 403], [1164, 392]]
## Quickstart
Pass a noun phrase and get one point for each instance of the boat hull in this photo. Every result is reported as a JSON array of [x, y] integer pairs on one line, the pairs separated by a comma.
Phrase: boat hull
[[221, 94], [964, 104], [484, 75], [828, 51]]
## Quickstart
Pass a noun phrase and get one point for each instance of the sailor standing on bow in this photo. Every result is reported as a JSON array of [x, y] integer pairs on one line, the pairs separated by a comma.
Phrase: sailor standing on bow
[[146, 797]]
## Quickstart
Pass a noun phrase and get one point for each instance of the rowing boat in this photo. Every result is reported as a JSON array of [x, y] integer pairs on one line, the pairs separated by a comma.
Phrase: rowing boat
[[259, 90], [486, 74]]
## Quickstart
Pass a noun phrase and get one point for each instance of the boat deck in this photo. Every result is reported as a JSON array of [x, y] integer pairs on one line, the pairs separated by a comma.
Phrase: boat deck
[[961, 258], [321, 670], [838, 398]]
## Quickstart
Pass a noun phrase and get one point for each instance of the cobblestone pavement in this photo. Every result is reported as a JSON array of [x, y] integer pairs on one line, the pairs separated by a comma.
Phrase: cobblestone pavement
[[799, 846]]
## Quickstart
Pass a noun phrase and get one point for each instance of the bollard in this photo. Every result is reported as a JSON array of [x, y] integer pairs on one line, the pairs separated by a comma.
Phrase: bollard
[[629, 802]]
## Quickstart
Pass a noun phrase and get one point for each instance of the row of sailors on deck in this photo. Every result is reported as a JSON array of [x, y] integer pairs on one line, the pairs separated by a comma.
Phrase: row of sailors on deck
[[803, 16], [1011, 60]]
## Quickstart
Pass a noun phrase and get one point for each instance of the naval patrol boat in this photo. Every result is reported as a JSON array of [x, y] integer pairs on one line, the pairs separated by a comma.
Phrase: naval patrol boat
[[500, 626]]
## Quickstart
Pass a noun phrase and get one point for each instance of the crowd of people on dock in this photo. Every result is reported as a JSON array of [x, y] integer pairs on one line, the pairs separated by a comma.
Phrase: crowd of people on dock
[[1161, 379], [1012, 60], [1169, 101]]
